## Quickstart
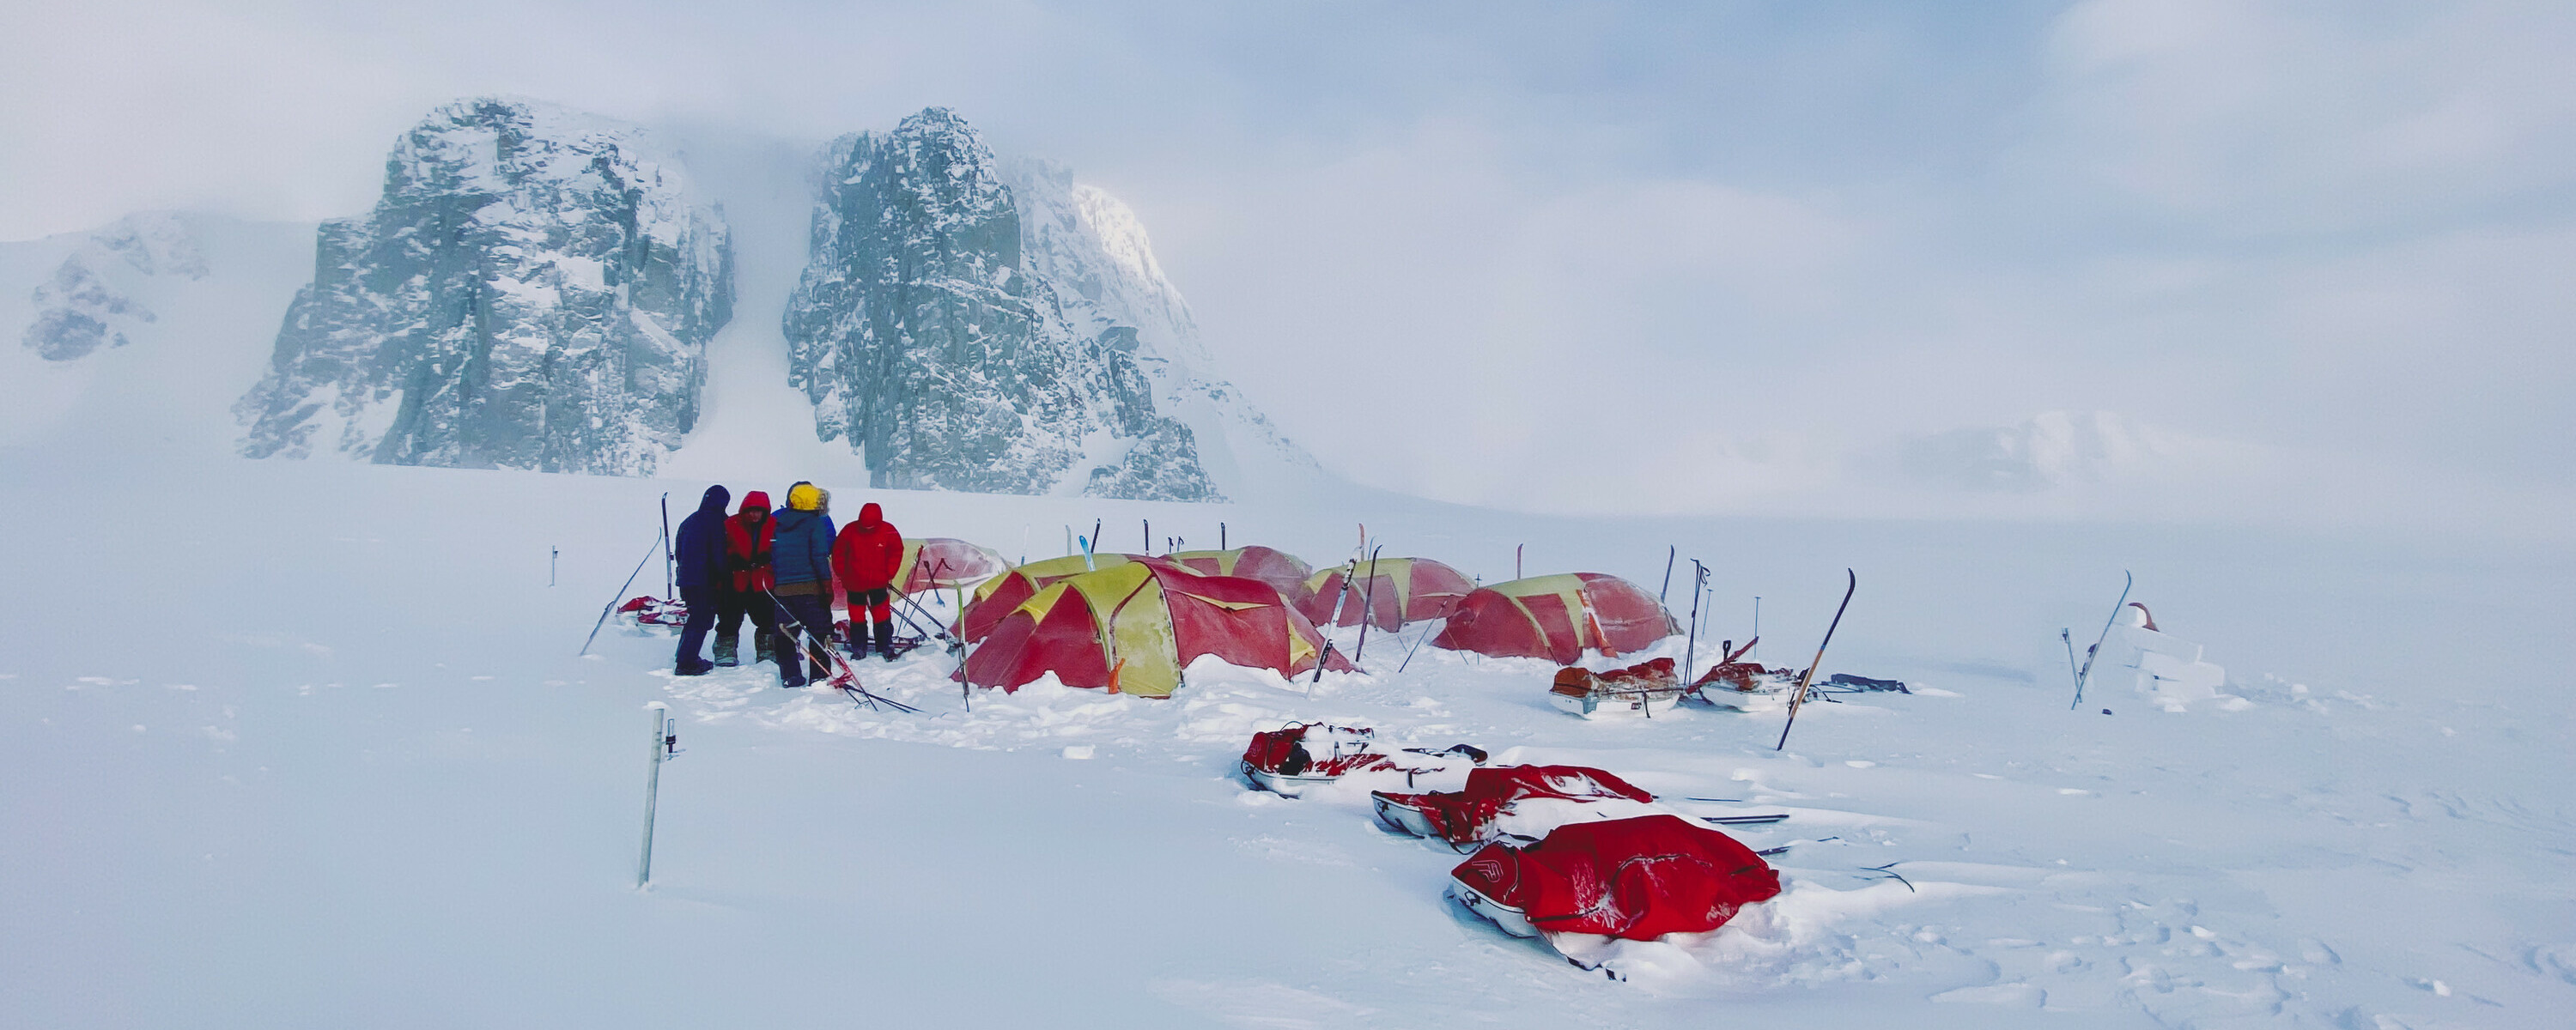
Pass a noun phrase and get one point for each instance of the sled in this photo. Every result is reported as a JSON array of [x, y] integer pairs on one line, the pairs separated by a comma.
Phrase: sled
[[1645, 689], [1635, 879], [1742, 685], [1510, 920], [1300, 756], [654, 611], [1497, 800]]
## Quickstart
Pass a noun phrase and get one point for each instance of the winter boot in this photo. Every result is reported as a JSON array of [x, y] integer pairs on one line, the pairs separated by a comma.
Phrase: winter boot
[[858, 637], [728, 651], [764, 648], [885, 640]]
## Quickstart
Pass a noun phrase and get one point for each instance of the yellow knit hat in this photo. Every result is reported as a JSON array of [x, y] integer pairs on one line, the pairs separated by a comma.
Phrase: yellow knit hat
[[804, 497]]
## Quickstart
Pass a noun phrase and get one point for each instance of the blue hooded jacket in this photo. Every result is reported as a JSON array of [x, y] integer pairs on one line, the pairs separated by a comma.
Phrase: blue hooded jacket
[[802, 551], [700, 541]]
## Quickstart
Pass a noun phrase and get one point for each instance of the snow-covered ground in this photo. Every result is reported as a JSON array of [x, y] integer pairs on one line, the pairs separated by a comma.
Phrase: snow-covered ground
[[307, 744]]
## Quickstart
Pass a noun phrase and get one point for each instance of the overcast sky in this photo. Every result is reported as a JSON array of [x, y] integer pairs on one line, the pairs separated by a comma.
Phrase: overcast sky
[[1616, 256]]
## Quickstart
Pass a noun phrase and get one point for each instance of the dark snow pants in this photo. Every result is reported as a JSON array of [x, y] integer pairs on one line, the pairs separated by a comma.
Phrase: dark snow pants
[[693, 633], [732, 605], [814, 613]]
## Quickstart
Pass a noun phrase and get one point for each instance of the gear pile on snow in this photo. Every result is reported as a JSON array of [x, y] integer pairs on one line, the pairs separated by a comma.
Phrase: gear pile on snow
[[654, 611], [1641, 689], [1301, 756], [1511, 800]]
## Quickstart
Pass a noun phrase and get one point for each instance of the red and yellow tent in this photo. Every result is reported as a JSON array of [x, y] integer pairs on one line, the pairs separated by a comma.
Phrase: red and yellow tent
[[940, 562], [1280, 569], [1134, 626], [1000, 595], [1557, 617], [1405, 590]]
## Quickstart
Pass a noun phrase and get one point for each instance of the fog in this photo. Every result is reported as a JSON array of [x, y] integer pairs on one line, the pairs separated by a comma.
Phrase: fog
[[2149, 259]]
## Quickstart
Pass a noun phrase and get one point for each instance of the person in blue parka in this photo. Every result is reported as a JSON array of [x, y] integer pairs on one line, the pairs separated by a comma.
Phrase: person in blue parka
[[801, 556], [702, 576]]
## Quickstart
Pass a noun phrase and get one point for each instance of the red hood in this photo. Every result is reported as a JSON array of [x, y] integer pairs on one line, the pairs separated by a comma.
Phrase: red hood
[[871, 516], [756, 499]]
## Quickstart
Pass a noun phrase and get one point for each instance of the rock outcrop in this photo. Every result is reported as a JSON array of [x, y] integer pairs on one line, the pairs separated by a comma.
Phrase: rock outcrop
[[534, 290], [927, 337]]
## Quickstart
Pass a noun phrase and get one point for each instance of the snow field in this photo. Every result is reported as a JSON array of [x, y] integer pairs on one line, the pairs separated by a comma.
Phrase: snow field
[[342, 768]]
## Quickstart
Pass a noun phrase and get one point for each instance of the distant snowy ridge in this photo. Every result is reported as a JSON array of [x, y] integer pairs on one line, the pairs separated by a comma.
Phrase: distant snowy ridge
[[88, 304], [534, 290], [1085, 239], [2049, 449]]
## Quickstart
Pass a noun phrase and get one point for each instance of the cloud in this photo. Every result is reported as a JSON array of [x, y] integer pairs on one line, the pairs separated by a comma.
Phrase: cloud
[[1550, 256]]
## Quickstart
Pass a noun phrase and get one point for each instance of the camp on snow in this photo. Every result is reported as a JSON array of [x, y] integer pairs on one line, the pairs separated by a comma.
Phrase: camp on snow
[[1388, 592], [1556, 617], [1135, 626]]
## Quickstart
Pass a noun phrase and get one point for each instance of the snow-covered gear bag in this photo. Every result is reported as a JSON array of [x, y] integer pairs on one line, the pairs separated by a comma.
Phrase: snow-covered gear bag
[[1516, 800], [1299, 757], [1637, 879], [654, 611], [1642, 689]]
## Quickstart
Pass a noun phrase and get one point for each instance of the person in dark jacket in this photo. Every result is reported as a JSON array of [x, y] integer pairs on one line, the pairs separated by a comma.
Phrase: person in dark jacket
[[702, 576], [865, 558], [801, 559], [748, 577]]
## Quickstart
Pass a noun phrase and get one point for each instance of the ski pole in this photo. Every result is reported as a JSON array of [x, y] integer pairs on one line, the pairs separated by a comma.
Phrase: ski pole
[[612, 602], [1690, 649], [1671, 551], [1368, 607], [1417, 642], [1801, 695], [670, 562], [2086, 673], [2071, 670]]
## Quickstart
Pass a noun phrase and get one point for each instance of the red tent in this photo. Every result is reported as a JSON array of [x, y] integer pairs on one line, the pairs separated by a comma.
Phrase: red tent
[[1282, 570], [1467, 816], [1636, 878], [1000, 595], [1135, 627], [1404, 590], [935, 562], [1557, 617]]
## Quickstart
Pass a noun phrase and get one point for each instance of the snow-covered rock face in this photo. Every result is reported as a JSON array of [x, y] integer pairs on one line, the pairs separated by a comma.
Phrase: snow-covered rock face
[[87, 305], [1087, 241], [534, 290], [954, 355]]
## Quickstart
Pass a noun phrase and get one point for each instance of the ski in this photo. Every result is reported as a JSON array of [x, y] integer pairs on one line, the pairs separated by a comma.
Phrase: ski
[[2086, 673], [1745, 820], [1800, 696]]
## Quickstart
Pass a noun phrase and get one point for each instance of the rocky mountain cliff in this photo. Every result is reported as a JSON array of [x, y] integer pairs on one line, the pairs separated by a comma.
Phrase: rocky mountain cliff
[[960, 338], [534, 290], [88, 302]]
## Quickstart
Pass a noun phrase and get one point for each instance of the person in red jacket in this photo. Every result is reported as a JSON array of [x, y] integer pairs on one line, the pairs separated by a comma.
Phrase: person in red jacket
[[747, 542], [865, 559]]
